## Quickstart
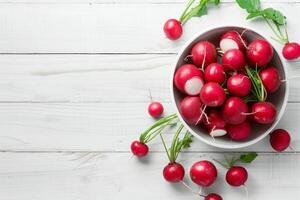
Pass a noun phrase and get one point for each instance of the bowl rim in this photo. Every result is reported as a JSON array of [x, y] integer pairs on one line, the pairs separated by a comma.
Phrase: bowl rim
[[211, 143]]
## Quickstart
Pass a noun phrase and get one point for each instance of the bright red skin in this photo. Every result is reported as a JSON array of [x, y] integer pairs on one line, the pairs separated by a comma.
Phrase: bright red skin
[[259, 52], [214, 72], [203, 173], [173, 172], [139, 149], [239, 85], [235, 36], [173, 29], [213, 196], [155, 109], [212, 94], [215, 119], [270, 79], [233, 109], [185, 73], [264, 112], [236, 176], [291, 51], [233, 59], [198, 53], [190, 109], [280, 139], [239, 131]]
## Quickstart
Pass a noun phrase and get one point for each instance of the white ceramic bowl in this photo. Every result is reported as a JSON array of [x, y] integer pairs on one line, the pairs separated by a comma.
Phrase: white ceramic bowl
[[279, 98]]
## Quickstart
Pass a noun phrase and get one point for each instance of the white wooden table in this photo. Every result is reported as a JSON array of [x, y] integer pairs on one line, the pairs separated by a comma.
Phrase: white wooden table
[[74, 80]]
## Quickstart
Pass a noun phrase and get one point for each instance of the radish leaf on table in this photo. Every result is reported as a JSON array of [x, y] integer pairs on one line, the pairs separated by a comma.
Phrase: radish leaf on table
[[248, 158]]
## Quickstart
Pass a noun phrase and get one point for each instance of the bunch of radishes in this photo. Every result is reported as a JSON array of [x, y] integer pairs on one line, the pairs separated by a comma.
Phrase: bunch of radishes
[[226, 97]]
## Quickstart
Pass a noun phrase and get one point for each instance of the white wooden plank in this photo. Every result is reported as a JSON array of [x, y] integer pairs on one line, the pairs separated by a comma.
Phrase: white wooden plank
[[118, 176], [99, 127], [96, 28], [94, 78]]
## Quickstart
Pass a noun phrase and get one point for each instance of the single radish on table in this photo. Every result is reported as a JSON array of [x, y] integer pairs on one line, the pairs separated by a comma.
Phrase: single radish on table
[[259, 52], [204, 53], [139, 147], [155, 109], [291, 51], [263, 112], [214, 72], [191, 109], [203, 173], [239, 85], [233, 59], [215, 123], [174, 172], [280, 139], [270, 79], [234, 110], [232, 40], [239, 131], [212, 94], [213, 196], [236, 176], [189, 79], [173, 29]]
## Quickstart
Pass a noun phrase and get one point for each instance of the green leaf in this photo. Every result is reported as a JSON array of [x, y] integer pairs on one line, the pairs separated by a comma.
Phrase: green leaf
[[216, 2], [274, 15], [248, 158], [253, 15], [249, 5], [202, 11]]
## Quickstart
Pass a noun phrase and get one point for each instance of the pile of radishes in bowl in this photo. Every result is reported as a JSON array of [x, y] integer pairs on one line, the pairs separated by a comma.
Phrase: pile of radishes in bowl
[[229, 83]]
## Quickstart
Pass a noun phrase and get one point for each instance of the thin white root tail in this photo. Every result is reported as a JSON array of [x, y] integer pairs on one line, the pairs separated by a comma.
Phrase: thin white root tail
[[188, 187], [203, 62], [248, 113], [200, 118], [246, 191]]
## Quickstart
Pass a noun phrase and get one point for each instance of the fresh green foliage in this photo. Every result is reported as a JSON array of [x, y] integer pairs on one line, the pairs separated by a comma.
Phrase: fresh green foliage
[[258, 90], [157, 128], [177, 144], [248, 158], [244, 158], [274, 18], [251, 6], [199, 10]]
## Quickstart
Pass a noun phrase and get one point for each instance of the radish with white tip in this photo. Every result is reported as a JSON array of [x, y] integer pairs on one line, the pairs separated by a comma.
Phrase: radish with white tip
[[232, 40], [189, 79]]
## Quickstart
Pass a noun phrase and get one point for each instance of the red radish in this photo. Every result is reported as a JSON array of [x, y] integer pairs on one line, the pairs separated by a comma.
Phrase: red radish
[[233, 59], [212, 94], [189, 79], [214, 73], [233, 110], [214, 120], [236, 176], [173, 29], [155, 109], [205, 53], [239, 85], [203, 173], [232, 40], [215, 123], [190, 109], [139, 149], [173, 172], [291, 51], [239, 131], [259, 52], [270, 79], [280, 139], [263, 112], [213, 196]]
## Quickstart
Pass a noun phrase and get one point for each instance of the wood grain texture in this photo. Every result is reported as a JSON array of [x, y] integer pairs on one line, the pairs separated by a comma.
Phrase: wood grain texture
[[95, 78], [96, 28], [107, 127], [118, 176]]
